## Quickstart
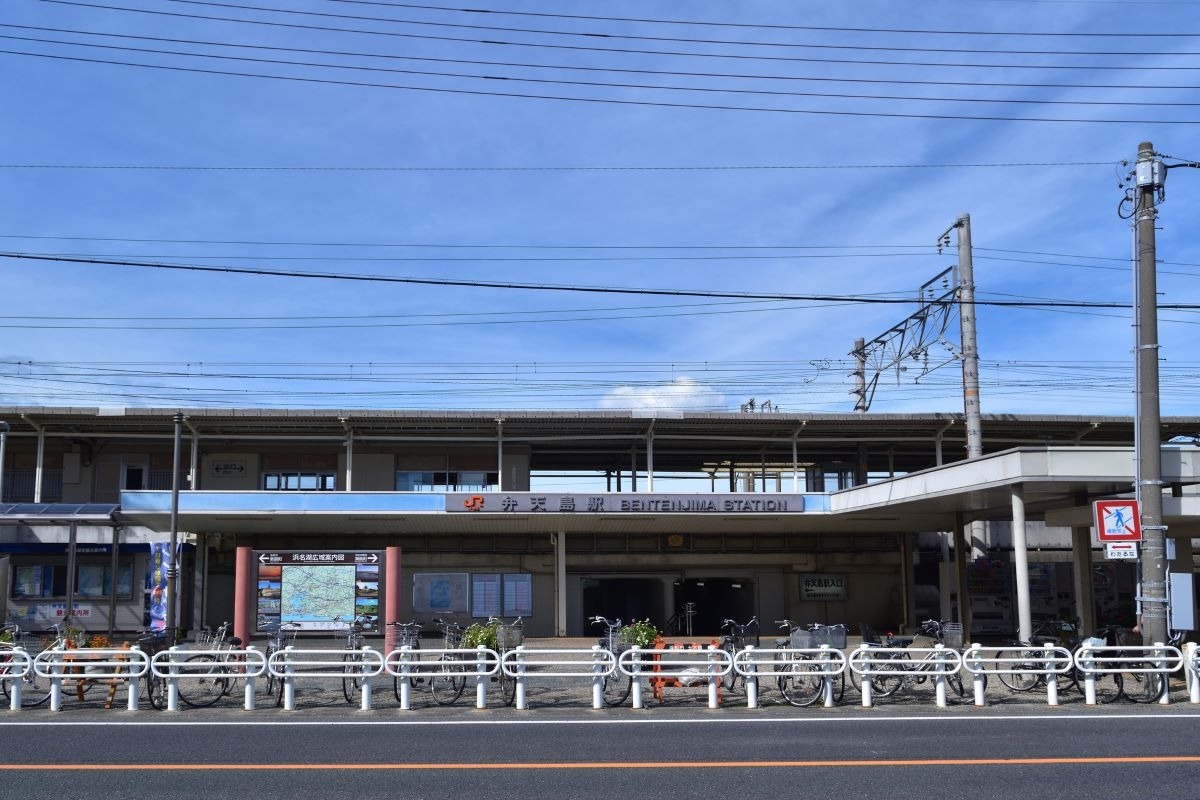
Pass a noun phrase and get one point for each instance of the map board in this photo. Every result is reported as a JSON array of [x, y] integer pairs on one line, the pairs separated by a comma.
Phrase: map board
[[318, 590]]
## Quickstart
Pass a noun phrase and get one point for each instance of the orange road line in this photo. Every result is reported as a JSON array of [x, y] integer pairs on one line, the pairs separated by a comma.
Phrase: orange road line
[[550, 765]]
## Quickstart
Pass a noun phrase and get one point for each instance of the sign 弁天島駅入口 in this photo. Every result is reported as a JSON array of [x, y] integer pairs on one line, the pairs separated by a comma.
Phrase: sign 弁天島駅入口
[[1117, 520], [822, 586]]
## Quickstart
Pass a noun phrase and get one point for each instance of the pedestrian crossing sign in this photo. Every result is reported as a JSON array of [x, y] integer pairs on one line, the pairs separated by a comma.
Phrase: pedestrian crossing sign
[[1117, 520]]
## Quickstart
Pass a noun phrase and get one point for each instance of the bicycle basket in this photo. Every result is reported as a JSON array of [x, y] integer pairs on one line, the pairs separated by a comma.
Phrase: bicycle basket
[[509, 636], [800, 639], [452, 639], [832, 635], [952, 635]]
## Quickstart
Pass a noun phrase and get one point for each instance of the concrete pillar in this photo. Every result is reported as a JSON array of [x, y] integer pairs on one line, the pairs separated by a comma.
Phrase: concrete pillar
[[391, 596], [1081, 575], [961, 549], [1021, 565], [244, 579], [560, 584]]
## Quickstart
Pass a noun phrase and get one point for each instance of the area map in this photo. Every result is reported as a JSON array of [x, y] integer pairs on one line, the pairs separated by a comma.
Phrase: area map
[[314, 595]]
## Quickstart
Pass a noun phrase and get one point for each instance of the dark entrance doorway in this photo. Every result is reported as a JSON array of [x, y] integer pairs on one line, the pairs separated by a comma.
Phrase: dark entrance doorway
[[626, 599], [716, 599]]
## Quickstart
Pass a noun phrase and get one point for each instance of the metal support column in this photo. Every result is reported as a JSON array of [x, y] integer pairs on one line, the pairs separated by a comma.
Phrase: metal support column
[[1021, 566], [560, 583], [1081, 574]]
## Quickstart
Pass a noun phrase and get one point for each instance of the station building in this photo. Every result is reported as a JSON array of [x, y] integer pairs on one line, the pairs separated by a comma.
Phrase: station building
[[683, 518]]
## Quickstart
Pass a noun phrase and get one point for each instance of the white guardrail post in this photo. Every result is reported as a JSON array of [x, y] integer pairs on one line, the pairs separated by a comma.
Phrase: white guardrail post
[[939, 677], [481, 677], [751, 677], [404, 682], [1086, 663], [597, 678], [519, 699], [863, 651], [1190, 667], [17, 677], [56, 683], [248, 700], [135, 676], [173, 681], [978, 679], [714, 678], [636, 660], [1051, 674], [289, 680], [1160, 663], [366, 677]]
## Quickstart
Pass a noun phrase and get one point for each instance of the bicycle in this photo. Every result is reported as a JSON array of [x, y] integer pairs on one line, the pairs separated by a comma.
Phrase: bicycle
[[351, 682], [280, 635], [927, 668], [408, 634], [449, 678], [35, 689], [801, 680], [617, 685], [508, 637], [738, 638], [206, 679], [151, 642], [1025, 660]]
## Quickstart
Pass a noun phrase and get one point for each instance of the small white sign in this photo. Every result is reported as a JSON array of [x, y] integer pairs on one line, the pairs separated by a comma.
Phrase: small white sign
[[1120, 551]]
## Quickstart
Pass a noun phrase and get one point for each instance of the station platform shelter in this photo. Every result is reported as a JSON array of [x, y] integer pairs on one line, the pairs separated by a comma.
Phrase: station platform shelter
[[687, 519]]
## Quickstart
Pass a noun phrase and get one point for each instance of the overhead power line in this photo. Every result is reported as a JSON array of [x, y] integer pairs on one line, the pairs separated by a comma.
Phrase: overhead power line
[[634, 51], [544, 287], [613, 85], [762, 25], [609, 68], [598, 100]]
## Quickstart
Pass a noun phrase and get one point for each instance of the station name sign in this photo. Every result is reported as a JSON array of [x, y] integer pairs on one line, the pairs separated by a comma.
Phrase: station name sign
[[623, 503]]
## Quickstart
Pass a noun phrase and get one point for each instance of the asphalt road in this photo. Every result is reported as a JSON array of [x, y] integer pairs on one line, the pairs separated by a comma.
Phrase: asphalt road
[[554, 753]]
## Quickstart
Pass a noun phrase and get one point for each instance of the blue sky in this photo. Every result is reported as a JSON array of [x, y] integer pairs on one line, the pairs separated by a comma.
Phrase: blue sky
[[458, 184]]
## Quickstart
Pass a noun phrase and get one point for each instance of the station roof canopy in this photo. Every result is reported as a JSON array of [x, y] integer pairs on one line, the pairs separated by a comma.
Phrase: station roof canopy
[[58, 513], [563, 440]]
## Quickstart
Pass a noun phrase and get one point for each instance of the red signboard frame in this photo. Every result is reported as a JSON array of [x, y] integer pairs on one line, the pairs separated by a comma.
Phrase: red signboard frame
[[1126, 522]]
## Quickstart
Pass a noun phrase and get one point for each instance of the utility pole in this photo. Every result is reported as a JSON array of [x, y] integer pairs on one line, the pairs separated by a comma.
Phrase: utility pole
[[860, 376], [173, 557], [970, 347], [1150, 176]]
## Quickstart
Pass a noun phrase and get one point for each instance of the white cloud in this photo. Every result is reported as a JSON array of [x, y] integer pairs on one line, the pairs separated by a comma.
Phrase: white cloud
[[681, 394]]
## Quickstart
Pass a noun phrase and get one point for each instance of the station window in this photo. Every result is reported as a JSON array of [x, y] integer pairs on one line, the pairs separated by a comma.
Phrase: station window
[[299, 481], [457, 481], [50, 580]]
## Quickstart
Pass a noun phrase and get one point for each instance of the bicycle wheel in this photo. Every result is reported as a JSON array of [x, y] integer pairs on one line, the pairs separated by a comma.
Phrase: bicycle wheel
[[886, 685], [508, 688], [1025, 675], [201, 682], [1109, 687], [156, 691], [352, 682], [35, 689], [954, 681], [617, 687], [273, 683], [448, 682], [1144, 687], [800, 682]]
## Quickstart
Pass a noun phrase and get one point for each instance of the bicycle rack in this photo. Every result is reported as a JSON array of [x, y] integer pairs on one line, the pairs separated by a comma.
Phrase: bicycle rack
[[109, 665], [19, 663], [826, 660], [1053, 662], [936, 662], [598, 662], [675, 666], [172, 665], [1093, 660], [318, 663]]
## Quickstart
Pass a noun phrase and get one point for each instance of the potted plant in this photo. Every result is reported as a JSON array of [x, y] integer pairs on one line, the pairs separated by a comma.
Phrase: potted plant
[[639, 632]]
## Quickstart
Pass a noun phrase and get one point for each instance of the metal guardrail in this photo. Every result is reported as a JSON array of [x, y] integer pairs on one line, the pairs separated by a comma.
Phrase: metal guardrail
[[870, 661], [690, 667], [1045, 663], [594, 663], [478, 663], [1093, 660], [178, 663], [828, 661], [15, 664], [92, 664], [360, 664]]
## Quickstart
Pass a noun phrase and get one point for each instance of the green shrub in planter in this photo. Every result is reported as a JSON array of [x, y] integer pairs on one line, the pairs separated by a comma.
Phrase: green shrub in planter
[[641, 633]]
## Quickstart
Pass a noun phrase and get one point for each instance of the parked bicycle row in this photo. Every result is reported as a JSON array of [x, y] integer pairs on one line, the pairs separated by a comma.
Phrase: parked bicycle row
[[201, 675]]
